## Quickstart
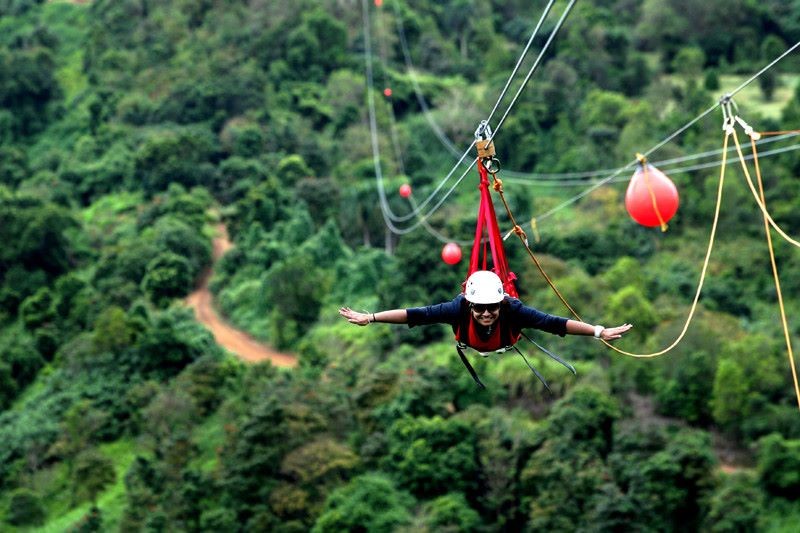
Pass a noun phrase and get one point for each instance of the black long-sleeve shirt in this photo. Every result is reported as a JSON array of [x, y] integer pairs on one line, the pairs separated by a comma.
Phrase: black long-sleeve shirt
[[519, 316]]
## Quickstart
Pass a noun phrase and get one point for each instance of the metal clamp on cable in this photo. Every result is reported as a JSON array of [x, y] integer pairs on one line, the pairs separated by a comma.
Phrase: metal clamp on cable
[[727, 115], [485, 146], [483, 131]]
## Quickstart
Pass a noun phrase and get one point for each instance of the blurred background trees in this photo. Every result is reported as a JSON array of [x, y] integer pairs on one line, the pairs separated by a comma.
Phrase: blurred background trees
[[130, 129]]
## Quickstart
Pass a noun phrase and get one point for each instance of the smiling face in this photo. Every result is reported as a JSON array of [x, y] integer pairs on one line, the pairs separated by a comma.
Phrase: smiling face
[[485, 314]]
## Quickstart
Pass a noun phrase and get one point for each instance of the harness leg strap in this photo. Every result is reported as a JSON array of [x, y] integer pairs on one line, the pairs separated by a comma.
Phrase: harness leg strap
[[536, 372], [551, 354], [469, 367]]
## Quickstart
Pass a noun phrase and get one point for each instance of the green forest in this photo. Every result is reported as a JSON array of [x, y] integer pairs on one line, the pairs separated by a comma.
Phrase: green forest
[[131, 130]]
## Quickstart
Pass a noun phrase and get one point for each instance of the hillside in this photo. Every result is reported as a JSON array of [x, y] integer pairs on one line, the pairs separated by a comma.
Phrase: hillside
[[132, 131]]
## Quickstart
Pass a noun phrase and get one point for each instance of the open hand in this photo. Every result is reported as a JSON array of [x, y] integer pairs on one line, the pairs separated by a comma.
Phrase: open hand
[[609, 334], [354, 317]]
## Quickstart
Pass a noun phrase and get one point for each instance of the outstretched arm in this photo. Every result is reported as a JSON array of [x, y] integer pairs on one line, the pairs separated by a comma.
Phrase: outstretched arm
[[393, 316], [607, 334]]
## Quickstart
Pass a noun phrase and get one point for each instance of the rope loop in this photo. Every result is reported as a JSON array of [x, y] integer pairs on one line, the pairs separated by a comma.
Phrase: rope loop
[[776, 276], [748, 129], [703, 271], [521, 233]]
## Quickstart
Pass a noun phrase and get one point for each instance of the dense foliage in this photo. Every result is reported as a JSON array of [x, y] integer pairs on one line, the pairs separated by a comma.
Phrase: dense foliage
[[130, 128]]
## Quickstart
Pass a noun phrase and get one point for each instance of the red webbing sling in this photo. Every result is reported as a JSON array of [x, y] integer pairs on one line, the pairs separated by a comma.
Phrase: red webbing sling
[[487, 228]]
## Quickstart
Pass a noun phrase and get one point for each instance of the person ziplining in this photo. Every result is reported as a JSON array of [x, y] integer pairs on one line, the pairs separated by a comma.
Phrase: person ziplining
[[485, 318], [488, 316]]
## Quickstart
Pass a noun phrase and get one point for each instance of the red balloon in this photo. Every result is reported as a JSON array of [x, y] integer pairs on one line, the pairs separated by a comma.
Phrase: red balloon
[[387, 92], [405, 190], [652, 198], [451, 253], [379, 3]]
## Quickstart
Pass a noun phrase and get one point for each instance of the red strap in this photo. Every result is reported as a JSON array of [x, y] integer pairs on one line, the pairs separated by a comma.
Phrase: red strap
[[487, 224]]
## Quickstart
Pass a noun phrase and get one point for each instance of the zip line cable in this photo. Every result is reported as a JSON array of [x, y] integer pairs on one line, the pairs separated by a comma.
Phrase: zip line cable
[[577, 178], [666, 140], [623, 179], [561, 177], [388, 216], [533, 68], [763, 70], [577, 175], [546, 11], [447, 143], [399, 157]]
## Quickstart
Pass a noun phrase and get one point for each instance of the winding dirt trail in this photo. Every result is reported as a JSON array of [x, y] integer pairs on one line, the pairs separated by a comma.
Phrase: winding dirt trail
[[235, 341]]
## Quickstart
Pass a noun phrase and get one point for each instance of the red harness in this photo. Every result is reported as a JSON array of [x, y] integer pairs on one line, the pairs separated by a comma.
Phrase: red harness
[[502, 335], [475, 341], [487, 228]]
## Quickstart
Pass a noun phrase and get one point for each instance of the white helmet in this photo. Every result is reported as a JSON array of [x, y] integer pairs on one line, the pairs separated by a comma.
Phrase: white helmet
[[484, 287]]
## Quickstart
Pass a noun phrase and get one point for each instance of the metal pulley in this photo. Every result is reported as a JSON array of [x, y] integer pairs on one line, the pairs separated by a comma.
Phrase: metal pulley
[[485, 149]]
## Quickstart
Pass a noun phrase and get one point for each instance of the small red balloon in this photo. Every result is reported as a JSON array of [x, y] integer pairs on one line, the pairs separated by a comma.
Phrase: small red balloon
[[651, 199], [387, 92], [379, 3], [405, 190], [451, 253]]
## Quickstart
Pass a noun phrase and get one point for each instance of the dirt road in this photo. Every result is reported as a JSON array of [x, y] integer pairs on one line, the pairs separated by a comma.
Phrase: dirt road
[[235, 341]]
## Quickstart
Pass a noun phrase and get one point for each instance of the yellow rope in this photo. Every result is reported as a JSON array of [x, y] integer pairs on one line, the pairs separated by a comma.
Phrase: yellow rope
[[755, 195], [767, 133], [702, 272], [498, 186], [775, 272], [692, 310]]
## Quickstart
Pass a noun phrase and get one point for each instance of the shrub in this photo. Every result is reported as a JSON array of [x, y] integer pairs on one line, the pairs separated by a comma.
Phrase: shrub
[[25, 509]]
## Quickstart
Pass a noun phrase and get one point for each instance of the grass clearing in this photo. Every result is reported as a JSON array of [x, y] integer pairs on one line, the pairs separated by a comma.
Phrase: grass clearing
[[209, 438], [111, 502]]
